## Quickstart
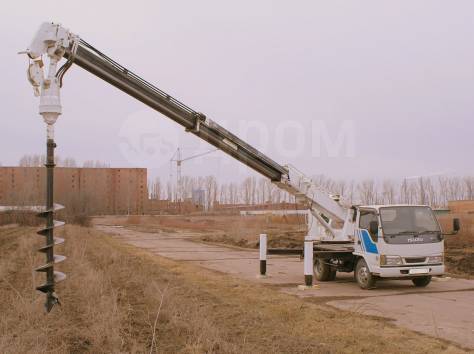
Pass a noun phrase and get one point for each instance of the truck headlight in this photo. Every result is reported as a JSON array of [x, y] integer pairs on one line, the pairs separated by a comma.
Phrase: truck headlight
[[390, 260], [436, 259]]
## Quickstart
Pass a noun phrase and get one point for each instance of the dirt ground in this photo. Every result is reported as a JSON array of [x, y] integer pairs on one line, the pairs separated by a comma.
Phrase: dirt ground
[[459, 254], [118, 298], [282, 231], [287, 232]]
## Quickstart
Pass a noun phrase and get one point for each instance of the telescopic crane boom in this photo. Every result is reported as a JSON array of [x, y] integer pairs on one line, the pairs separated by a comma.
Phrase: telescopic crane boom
[[77, 51]]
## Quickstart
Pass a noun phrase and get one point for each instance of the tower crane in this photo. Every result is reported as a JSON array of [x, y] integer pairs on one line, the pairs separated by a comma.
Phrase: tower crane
[[179, 160]]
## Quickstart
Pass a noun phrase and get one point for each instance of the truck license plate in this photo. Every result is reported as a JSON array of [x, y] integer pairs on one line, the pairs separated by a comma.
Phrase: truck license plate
[[419, 271]]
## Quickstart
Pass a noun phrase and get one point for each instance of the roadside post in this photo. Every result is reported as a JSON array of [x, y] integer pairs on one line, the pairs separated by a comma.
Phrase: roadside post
[[308, 263], [308, 252], [263, 255]]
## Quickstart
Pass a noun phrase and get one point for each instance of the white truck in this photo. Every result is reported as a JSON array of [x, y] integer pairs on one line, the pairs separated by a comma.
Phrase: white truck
[[385, 242], [373, 241]]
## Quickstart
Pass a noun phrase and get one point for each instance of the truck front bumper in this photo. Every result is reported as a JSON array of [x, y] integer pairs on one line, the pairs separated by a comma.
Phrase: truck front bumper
[[409, 272]]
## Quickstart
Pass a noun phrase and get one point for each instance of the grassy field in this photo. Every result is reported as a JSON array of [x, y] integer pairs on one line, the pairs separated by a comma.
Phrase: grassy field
[[118, 299]]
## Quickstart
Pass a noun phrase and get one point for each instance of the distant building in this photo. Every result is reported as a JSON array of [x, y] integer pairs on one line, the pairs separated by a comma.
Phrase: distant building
[[461, 206], [80, 190]]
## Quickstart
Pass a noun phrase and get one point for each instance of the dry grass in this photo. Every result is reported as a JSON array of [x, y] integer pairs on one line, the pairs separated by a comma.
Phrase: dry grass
[[282, 231], [120, 299], [460, 247], [22, 218], [244, 231]]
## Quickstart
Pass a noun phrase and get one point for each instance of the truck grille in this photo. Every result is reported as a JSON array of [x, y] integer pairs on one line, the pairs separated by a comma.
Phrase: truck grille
[[415, 260]]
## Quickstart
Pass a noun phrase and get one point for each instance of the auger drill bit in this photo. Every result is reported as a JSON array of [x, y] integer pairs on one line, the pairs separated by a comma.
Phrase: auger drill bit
[[52, 276]]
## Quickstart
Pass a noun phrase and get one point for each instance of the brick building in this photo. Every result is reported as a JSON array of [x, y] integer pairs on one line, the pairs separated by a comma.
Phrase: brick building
[[81, 190]]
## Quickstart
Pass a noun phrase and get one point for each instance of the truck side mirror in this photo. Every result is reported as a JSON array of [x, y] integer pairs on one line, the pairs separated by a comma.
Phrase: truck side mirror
[[456, 225], [374, 227]]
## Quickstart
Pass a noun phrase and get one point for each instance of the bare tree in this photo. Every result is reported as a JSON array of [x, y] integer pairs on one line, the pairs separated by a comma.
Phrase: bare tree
[[421, 194], [69, 162], [247, 190], [169, 191], [469, 186], [95, 164], [223, 193], [423, 190], [367, 192], [455, 189], [234, 193], [33, 160], [155, 189], [350, 193], [211, 190], [388, 192]]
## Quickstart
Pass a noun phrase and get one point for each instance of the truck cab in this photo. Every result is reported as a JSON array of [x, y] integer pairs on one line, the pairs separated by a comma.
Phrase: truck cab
[[397, 242]]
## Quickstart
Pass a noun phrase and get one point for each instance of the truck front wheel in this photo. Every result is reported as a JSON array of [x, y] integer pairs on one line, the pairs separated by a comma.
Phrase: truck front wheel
[[363, 276], [421, 282], [323, 271]]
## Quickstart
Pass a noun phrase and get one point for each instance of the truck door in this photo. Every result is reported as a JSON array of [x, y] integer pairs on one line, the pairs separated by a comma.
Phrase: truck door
[[367, 241]]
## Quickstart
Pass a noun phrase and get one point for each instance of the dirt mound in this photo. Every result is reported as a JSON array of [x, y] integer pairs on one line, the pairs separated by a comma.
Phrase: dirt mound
[[460, 262]]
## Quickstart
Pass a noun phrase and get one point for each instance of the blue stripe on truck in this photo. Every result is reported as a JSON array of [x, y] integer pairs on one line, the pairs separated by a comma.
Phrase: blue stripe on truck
[[369, 245], [359, 234]]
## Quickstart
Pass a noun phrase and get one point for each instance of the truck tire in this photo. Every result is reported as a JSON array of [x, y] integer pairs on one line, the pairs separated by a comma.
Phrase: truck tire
[[363, 276], [421, 282], [323, 271]]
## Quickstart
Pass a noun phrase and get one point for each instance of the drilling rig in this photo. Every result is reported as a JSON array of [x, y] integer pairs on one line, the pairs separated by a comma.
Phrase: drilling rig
[[373, 241]]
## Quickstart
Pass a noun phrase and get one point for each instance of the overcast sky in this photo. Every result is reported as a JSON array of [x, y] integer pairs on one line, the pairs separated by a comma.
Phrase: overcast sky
[[347, 89]]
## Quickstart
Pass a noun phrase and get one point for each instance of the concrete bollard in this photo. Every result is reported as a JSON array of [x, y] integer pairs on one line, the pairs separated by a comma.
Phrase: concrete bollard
[[263, 254], [308, 263]]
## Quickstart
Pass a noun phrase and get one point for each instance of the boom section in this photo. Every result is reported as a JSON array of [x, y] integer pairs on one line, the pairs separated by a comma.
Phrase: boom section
[[100, 65]]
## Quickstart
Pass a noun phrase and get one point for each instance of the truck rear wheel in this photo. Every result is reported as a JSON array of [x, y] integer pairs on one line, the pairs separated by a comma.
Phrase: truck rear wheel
[[323, 271], [421, 282], [363, 276]]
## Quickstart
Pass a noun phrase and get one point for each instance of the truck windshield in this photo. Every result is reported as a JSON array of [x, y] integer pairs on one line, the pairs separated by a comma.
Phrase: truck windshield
[[409, 224]]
